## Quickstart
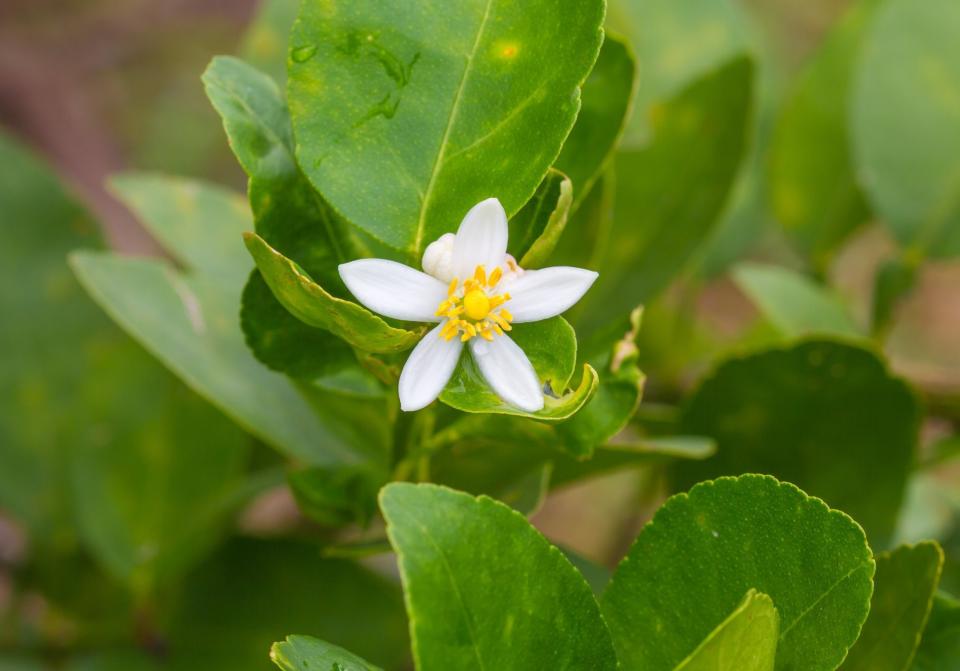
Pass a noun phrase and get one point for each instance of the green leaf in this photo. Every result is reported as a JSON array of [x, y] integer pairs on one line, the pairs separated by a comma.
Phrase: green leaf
[[745, 641], [310, 303], [940, 647], [675, 44], [456, 554], [403, 138], [551, 346], [619, 392], [255, 592], [665, 206], [607, 97], [198, 223], [794, 304], [813, 189], [536, 229], [264, 44], [905, 121], [189, 323], [703, 550], [906, 582], [585, 235], [789, 411], [335, 497], [304, 652]]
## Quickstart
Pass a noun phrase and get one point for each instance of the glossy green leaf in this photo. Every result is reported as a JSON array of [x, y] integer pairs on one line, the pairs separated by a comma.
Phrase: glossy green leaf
[[619, 392], [585, 236], [906, 582], [190, 324], [703, 550], [795, 305], [537, 228], [665, 207], [309, 302], [789, 411], [675, 43], [607, 99], [304, 652], [813, 189], [199, 223], [940, 646], [255, 592], [745, 641], [905, 120], [551, 346], [456, 555], [403, 136]]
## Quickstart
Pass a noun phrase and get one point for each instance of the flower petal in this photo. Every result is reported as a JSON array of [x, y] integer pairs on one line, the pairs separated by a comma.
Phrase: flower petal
[[393, 289], [541, 294], [481, 239], [428, 369], [508, 372]]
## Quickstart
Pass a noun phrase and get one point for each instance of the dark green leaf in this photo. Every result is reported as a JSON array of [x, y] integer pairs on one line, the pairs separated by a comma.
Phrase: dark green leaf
[[906, 123], [313, 305], [336, 496], [457, 554], [537, 228], [670, 194], [403, 137], [789, 411], [906, 582], [607, 96], [304, 652], [795, 305], [692, 564], [551, 346], [813, 188], [745, 641], [940, 647]]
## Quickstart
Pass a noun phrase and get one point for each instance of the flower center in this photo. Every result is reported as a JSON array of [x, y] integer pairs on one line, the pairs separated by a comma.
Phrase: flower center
[[475, 307]]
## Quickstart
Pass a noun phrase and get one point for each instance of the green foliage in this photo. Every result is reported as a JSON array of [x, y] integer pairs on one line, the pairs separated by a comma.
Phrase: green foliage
[[905, 151], [940, 647], [536, 229], [302, 652], [406, 128], [692, 564], [906, 582], [788, 411], [455, 577]]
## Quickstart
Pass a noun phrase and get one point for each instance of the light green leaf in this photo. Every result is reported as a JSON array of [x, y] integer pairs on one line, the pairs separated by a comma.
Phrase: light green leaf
[[456, 555], [551, 346], [537, 228], [403, 137], [190, 324], [905, 119], [789, 411], [940, 647], [675, 43], [304, 652], [200, 224], [745, 641], [585, 235], [813, 189], [665, 207], [607, 99], [310, 303], [906, 582], [703, 550], [794, 304]]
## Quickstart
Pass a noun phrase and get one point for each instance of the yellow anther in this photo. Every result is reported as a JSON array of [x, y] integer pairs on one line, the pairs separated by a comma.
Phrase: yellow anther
[[487, 334], [497, 300], [442, 310], [454, 283], [476, 304], [506, 314], [468, 328], [498, 329], [494, 277]]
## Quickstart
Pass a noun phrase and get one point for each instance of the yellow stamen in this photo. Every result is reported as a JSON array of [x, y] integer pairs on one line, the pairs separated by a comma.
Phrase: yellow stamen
[[506, 314], [494, 277], [452, 289], [486, 334], [480, 275]]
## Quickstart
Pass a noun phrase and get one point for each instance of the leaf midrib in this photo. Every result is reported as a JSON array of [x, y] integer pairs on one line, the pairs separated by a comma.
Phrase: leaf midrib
[[444, 141]]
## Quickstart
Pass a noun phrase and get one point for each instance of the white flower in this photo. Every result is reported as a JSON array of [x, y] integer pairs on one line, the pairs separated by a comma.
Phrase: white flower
[[475, 290]]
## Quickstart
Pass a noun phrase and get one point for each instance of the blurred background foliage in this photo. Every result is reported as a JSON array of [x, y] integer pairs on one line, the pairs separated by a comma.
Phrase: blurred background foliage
[[143, 527]]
